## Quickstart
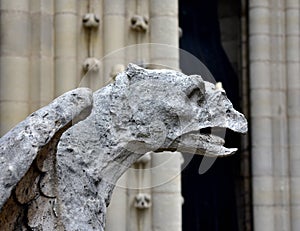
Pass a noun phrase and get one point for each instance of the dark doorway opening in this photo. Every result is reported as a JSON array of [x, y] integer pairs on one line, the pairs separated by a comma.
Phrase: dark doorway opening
[[219, 199]]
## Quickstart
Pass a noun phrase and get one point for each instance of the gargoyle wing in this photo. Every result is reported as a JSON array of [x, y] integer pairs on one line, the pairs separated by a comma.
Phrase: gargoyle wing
[[25, 155]]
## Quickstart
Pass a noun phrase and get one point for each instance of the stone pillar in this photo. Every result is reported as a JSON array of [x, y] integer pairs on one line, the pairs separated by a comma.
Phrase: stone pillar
[[14, 64], [42, 53], [66, 34], [279, 118], [164, 30], [293, 93], [166, 193], [261, 113], [117, 210], [114, 39], [167, 199], [139, 175], [113, 35]]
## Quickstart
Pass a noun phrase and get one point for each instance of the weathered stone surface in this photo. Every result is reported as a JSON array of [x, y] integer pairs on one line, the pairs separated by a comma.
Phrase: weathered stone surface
[[14, 217], [20, 146], [27, 189], [33, 200], [48, 183], [69, 185], [44, 219], [143, 110]]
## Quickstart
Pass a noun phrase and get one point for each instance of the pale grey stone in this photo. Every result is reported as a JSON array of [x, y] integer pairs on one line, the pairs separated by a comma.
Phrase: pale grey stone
[[20, 146], [143, 110]]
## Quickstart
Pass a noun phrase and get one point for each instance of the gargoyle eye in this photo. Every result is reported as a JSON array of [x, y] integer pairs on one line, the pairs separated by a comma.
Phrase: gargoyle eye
[[196, 95]]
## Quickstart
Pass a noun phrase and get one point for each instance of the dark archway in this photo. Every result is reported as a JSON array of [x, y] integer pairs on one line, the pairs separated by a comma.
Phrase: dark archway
[[211, 200]]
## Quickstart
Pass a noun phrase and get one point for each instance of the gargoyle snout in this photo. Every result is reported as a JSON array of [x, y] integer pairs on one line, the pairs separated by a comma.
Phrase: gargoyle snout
[[226, 118], [236, 121]]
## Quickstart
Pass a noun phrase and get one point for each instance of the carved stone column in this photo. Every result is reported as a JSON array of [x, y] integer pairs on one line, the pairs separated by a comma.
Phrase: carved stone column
[[164, 30], [114, 39], [261, 113], [274, 77], [113, 35], [14, 65], [279, 117], [42, 54], [66, 34], [293, 94]]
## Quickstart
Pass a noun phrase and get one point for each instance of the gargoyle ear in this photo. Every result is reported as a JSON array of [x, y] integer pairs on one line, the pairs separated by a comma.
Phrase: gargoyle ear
[[219, 87]]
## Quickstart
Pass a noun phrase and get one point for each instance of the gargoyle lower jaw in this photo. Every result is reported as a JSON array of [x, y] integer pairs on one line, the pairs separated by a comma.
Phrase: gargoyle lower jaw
[[201, 144]]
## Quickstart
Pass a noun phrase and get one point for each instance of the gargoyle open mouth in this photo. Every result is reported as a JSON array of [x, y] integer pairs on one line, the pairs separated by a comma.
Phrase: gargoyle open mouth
[[202, 142]]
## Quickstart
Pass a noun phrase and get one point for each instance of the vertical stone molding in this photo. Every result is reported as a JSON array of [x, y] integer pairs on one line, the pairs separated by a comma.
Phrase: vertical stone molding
[[279, 118], [114, 39], [166, 211], [42, 54], [293, 94], [65, 40], [164, 30], [15, 62], [274, 87], [261, 114], [119, 208]]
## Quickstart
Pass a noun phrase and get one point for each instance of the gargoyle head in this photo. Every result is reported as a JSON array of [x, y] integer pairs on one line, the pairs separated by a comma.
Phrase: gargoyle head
[[167, 110], [143, 110]]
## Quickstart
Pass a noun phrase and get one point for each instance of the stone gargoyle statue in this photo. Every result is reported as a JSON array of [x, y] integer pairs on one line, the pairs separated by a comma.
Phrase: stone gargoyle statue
[[59, 166]]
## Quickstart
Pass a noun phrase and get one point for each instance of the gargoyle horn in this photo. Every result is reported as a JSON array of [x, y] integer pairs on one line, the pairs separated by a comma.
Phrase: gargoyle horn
[[219, 86]]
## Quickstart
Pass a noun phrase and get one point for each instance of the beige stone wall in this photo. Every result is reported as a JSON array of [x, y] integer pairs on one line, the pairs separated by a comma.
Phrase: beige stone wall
[[15, 55], [46, 50], [274, 86]]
